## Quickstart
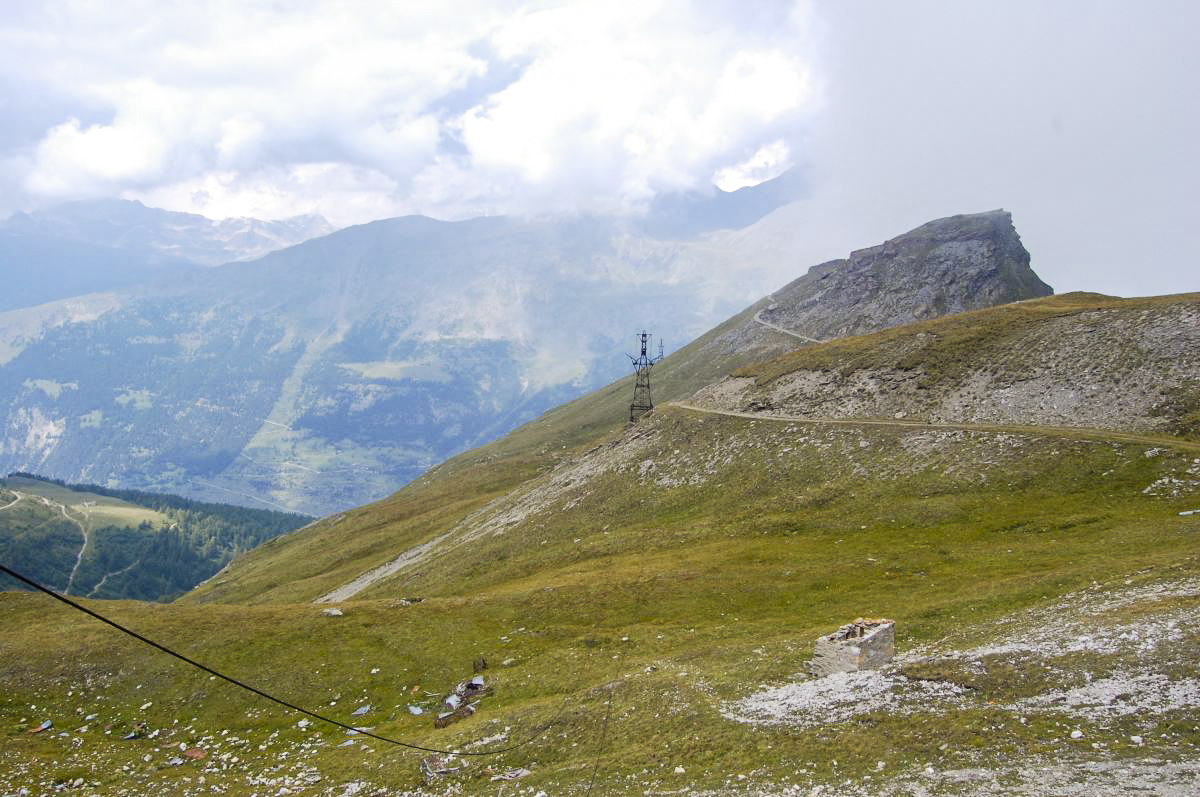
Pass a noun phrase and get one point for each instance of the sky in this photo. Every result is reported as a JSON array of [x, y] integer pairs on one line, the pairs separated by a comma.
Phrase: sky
[[1078, 116]]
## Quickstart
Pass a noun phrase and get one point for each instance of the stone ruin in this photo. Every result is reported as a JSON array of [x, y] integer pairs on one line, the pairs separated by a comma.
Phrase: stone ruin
[[865, 644]]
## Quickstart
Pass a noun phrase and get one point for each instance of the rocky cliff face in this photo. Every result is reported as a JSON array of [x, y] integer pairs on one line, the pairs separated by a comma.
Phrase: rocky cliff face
[[946, 266], [943, 267]]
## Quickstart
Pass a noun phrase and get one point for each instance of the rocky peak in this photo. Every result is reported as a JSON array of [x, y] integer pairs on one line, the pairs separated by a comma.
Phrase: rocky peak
[[950, 265]]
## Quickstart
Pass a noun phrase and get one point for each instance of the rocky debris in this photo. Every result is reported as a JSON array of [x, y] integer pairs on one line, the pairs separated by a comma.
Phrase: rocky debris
[[137, 732], [841, 696], [1073, 624], [437, 766], [1121, 366], [1119, 696], [512, 774]]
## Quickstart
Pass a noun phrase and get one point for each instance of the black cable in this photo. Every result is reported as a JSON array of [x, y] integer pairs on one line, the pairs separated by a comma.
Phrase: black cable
[[540, 731], [603, 741]]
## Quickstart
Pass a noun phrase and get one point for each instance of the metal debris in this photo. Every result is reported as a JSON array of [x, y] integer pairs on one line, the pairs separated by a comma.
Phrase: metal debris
[[459, 704], [512, 774]]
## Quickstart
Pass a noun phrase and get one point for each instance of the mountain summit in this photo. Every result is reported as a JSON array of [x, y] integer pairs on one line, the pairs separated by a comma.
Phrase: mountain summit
[[946, 266]]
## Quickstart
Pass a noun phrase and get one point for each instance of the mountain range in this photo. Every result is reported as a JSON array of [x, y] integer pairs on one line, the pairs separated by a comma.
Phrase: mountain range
[[329, 373], [916, 432]]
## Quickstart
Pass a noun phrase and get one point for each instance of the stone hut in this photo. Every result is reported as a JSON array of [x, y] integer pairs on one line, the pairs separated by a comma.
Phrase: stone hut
[[865, 644]]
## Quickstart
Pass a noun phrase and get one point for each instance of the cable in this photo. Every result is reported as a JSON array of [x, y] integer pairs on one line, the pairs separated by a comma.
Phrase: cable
[[540, 731], [603, 741]]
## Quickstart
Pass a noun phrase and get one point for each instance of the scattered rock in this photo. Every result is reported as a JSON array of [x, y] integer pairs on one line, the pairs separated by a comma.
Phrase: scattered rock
[[436, 766]]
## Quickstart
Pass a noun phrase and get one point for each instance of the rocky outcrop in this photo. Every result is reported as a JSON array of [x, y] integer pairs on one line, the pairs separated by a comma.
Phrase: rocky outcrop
[[1071, 360], [946, 266]]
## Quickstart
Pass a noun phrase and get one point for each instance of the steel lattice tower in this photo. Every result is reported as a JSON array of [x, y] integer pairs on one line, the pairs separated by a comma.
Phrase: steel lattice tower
[[642, 364]]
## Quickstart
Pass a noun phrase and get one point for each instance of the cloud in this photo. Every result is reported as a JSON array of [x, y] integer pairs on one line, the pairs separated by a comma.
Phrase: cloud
[[452, 110], [1078, 117], [768, 161]]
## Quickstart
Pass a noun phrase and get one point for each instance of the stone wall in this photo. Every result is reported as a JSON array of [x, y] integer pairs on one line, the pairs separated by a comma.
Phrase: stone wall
[[861, 645]]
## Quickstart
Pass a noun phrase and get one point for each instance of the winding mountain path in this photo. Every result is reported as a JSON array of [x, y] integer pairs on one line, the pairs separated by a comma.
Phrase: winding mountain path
[[82, 530], [758, 319], [82, 549], [122, 571], [1074, 432], [12, 503]]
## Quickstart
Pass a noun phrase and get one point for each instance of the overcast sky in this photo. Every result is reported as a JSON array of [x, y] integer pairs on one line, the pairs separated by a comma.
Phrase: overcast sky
[[1079, 117]]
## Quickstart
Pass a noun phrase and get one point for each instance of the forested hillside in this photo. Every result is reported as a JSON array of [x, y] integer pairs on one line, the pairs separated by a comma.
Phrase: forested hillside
[[110, 543]]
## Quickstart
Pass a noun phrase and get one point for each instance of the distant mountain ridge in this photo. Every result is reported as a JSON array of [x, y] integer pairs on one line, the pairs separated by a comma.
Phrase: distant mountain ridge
[[327, 374], [144, 231], [102, 245]]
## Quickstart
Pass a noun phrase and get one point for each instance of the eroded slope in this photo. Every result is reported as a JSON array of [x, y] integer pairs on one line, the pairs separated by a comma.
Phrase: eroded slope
[[1076, 360]]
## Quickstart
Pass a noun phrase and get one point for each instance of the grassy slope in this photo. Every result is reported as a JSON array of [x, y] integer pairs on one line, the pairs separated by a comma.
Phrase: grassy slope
[[668, 595], [716, 590], [102, 510], [305, 564]]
